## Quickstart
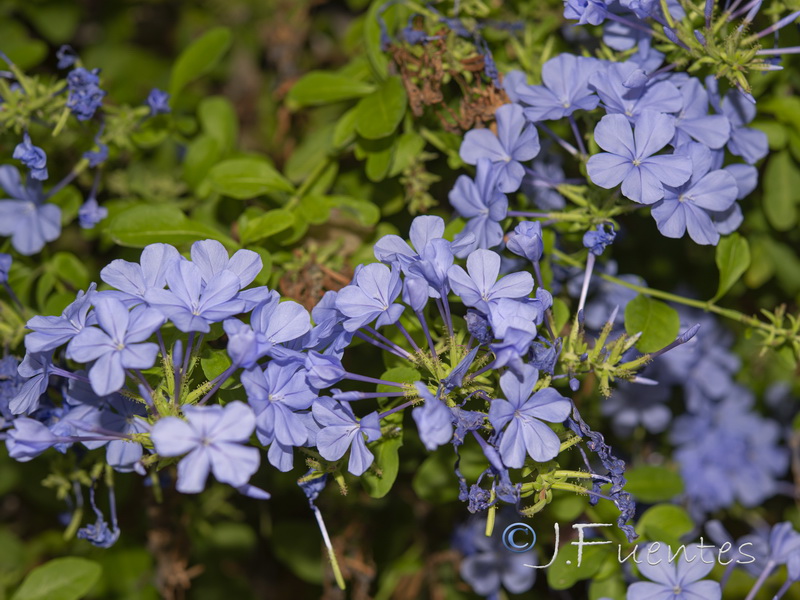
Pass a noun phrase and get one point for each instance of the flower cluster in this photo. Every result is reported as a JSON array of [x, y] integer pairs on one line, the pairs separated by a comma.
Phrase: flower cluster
[[660, 139], [467, 336], [27, 213]]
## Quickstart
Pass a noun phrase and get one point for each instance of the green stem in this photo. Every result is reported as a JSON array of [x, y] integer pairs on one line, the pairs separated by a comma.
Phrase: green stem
[[310, 181], [706, 305]]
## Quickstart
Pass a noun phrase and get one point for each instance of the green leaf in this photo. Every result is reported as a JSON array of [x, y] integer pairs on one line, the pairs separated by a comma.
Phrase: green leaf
[[245, 178], [387, 461], [323, 87], [560, 314], [733, 259], [199, 58], [218, 119], [69, 268], [314, 209], [777, 134], [658, 322], [372, 40], [56, 22], [781, 191], [26, 52], [653, 484], [268, 224], [378, 164], [399, 375], [565, 572], [407, 149], [665, 523], [345, 130], [613, 588], [379, 114], [214, 363], [68, 578], [435, 480], [203, 152], [363, 211], [44, 286], [143, 224]]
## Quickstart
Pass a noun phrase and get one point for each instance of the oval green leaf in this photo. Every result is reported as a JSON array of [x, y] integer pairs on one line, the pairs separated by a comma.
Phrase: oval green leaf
[[199, 58], [658, 322], [266, 225], [379, 114], [781, 191], [322, 87], [144, 224], [245, 178], [653, 483], [733, 259], [68, 578]]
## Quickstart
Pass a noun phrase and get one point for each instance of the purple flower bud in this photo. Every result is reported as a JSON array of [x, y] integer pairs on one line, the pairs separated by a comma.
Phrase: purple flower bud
[[526, 240], [32, 157], [90, 214], [478, 327], [158, 101], [596, 241], [5, 267], [66, 57], [323, 370]]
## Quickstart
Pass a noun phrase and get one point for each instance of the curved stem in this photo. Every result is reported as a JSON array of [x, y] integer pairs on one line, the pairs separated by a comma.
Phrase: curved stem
[[706, 305]]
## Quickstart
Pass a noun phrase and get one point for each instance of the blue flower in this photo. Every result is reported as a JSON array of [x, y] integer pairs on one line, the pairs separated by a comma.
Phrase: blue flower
[[32, 157], [483, 205], [97, 157], [632, 405], [276, 323], [592, 12], [677, 579], [526, 241], [478, 286], [565, 89], [597, 240], [488, 565], [692, 205], [371, 297], [516, 141], [523, 412], [66, 57], [91, 213], [36, 368], [24, 216], [514, 325], [749, 143], [100, 534], [341, 430], [727, 452], [629, 157], [434, 420], [213, 439], [133, 279], [118, 344], [126, 417], [10, 385], [85, 95], [28, 439], [5, 266], [693, 121], [276, 394], [158, 101], [618, 90], [191, 305]]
